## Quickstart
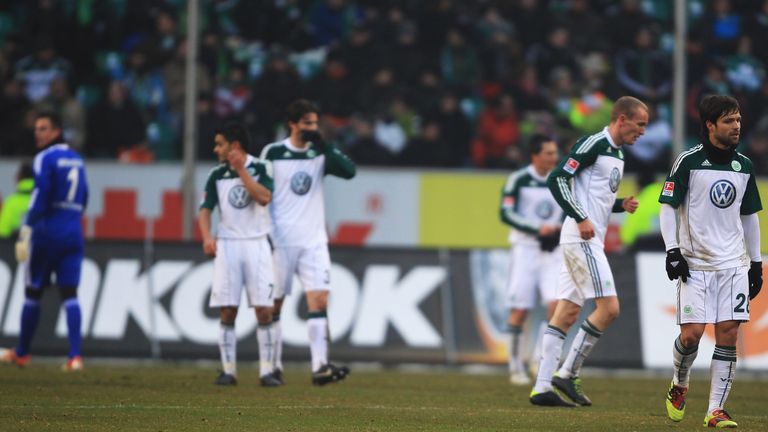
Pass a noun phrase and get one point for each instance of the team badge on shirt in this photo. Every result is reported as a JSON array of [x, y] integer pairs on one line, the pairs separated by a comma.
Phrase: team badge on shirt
[[669, 189], [571, 165]]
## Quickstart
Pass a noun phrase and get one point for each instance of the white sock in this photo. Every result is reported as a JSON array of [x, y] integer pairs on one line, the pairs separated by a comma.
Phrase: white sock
[[228, 349], [722, 370], [537, 346], [266, 339], [683, 360], [582, 345], [277, 328], [515, 364], [318, 339], [551, 349]]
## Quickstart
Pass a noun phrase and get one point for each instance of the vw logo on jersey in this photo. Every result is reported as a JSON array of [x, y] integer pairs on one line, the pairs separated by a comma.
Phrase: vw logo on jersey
[[722, 194], [544, 209], [239, 197], [613, 181], [301, 182]]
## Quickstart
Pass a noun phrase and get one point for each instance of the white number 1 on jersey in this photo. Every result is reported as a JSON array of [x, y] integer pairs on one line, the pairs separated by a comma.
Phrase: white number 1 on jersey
[[73, 176]]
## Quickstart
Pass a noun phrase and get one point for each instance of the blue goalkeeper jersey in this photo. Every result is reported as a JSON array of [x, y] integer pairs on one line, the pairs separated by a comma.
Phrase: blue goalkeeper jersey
[[60, 196]]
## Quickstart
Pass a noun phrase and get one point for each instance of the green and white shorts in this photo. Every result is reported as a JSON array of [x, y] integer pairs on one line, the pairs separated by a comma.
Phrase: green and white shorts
[[713, 296], [585, 273]]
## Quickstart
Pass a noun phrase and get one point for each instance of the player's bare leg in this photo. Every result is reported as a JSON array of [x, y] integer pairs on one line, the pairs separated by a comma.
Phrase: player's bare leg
[[228, 346], [515, 323]]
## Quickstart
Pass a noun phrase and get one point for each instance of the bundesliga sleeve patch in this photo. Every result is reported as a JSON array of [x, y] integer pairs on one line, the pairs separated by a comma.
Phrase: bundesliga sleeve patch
[[669, 189], [508, 202], [571, 165]]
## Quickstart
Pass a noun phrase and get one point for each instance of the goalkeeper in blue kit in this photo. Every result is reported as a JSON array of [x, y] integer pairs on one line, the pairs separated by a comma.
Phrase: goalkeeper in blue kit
[[51, 239]]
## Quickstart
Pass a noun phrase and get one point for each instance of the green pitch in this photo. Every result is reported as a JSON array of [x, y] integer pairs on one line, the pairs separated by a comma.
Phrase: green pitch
[[172, 398]]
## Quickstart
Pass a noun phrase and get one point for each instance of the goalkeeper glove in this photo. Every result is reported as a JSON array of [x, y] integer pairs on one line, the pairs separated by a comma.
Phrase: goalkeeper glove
[[314, 137], [22, 244], [755, 276], [677, 266]]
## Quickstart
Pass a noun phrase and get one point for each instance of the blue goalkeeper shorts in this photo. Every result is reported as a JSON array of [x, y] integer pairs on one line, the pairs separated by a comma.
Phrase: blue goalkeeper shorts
[[47, 259]]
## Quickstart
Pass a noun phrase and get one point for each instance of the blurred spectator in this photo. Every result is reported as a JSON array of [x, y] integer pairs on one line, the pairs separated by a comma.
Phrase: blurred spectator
[[643, 71], [529, 93], [498, 134], [651, 152], [38, 70], [757, 149], [164, 40], [378, 96], [14, 138], [586, 29], [530, 19], [744, 71], [389, 134], [426, 149], [590, 112], [456, 131], [553, 53], [15, 205], [207, 122], [425, 95], [115, 125], [145, 84], [73, 116], [278, 85], [756, 28], [719, 28], [624, 22], [174, 74], [232, 94], [332, 89], [360, 54], [364, 149], [435, 19], [404, 57], [459, 65], [713, 82], [331, 20]]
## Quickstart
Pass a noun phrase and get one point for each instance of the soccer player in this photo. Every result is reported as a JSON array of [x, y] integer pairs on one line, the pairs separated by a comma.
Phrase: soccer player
[[595, 165], [713, 250], [535, 217], [298, 215], [241, 187], [51, 239]]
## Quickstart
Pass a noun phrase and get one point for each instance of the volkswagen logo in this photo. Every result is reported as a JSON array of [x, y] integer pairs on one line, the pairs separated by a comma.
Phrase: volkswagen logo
[[301, 182], [613, 181], [722, 194], [544, 209], [239, 197]]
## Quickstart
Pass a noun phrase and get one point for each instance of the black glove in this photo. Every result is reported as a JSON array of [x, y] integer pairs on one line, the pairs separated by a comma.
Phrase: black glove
[[314, 137], [755, 276], [677, 266], [550, 242]]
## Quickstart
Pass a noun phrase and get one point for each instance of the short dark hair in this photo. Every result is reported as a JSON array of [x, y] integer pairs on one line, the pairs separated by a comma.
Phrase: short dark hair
[[234, 132], [536, 143], [53, 117], [299, 108], [712, 107]]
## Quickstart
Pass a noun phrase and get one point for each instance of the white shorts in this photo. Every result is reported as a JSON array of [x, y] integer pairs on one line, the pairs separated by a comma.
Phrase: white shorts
[[714, 296], [239, 263], [532, 270], [585, 273], [312, 264]]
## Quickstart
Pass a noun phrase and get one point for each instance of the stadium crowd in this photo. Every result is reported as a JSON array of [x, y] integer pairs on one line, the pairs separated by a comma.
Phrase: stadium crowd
[[440, 83]]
